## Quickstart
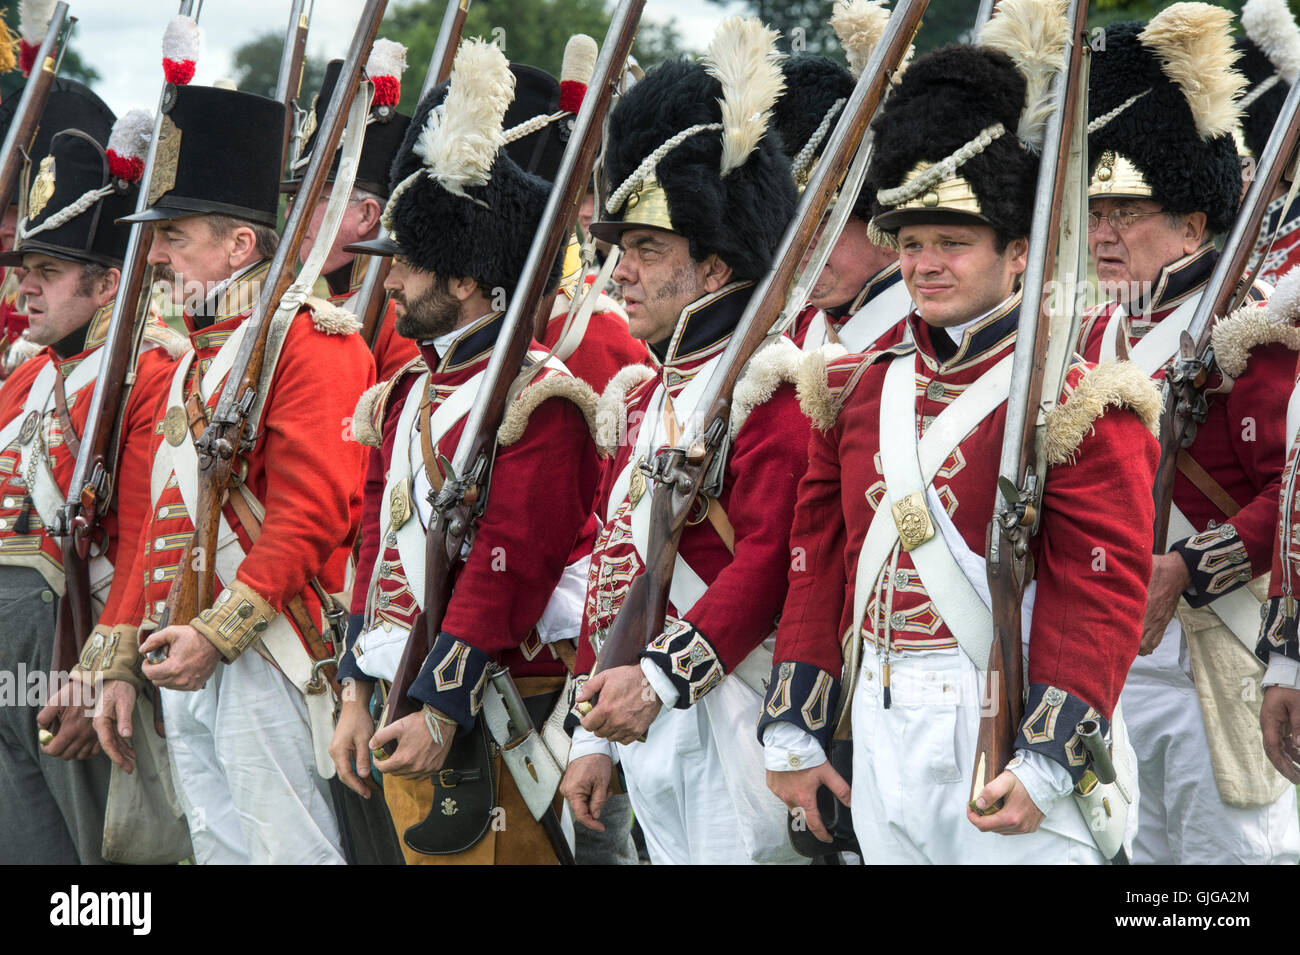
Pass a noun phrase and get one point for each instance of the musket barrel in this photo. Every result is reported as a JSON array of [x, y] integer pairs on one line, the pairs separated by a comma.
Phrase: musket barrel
[[30, 105], [1090, 735]]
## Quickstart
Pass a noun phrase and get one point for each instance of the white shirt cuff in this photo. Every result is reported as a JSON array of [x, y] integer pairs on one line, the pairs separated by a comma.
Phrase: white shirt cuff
[[587, 743], [1282, 671], [1044, 779], [660, 683], [787, 748]]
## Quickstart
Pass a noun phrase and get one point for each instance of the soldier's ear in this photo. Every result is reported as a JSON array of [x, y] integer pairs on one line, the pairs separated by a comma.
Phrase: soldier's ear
[[716, 273], [1195, 225], [106, 287]]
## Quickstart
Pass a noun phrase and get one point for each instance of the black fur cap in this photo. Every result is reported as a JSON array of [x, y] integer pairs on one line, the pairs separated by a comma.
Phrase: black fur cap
[[1257, 122], [1158, 133], [740, 218], [942, 102], [455, 237]]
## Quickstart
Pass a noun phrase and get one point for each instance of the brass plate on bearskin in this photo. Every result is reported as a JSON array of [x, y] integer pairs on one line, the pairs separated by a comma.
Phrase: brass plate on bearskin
[[913, 520], [175, 426], [636, 485], [42, 188], [399, 503]]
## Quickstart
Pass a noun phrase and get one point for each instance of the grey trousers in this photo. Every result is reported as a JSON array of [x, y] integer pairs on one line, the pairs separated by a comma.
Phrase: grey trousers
[[51, 810], [614, 846]]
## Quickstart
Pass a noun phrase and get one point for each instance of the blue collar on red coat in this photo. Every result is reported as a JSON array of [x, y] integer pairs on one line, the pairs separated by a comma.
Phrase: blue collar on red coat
[[1182, 278], [705, 325], [990, 334], [876, 286], [473, 344]]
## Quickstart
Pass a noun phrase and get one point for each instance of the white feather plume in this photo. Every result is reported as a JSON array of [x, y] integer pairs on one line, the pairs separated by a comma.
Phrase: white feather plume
[[1033, 33], [579, 59], [181, 40], [1194, 46], [460, 141], [34, 19], [1271, 27], [387, 58], [859, 24], [743, 58], [131, 134], [1284, 303]]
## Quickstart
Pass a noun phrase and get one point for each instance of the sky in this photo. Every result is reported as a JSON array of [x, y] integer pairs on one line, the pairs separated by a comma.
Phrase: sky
[[122, 38]]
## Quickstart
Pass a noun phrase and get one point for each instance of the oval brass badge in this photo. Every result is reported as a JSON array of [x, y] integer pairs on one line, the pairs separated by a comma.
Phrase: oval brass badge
[[399, 504], [30, 424], [175, 426]]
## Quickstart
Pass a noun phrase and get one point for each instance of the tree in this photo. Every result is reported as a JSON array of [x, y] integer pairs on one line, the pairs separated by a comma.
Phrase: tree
[[257, 68], [528, 31]]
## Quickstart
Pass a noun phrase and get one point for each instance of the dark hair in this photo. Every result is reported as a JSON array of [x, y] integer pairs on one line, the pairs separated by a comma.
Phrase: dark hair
[[91, 273]]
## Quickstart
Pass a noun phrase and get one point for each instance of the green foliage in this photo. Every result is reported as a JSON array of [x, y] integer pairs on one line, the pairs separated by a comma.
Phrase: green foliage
[[257, 68], [529, 31]]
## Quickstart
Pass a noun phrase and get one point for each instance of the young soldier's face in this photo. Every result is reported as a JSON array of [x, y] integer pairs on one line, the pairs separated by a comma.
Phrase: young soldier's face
[[58, 300], [955, 273], [659, 279], [1129, 259], [853, 260]]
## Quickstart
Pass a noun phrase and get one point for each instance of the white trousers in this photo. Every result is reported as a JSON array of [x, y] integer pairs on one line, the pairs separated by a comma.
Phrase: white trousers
[[1182, 820], [678, 786], [242, 761], [912, 767]]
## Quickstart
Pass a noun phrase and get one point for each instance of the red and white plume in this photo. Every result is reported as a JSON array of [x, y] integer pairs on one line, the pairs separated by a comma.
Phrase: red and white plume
[[385, 67], [33, 22], [128, 145], [576, 71], [180, 49]]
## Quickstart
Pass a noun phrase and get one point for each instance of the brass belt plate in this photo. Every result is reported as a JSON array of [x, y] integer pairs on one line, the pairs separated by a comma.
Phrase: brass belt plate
[[176, 425], [399, 503], [912, 518]]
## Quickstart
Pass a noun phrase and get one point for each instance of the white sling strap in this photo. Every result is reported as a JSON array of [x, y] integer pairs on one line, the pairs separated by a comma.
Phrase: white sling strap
[[876, 318], [911, 465], [1158, 345], [47, 496]]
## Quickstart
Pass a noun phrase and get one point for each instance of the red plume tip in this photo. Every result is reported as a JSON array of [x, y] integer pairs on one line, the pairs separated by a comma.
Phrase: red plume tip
[[571, 94], [388, 90], [179, 72], [27, 55], [126, 168]]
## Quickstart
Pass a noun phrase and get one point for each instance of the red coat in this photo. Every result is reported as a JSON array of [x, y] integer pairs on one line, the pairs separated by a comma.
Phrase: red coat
[[1086, 625], [130, 505], [1241, 444], [305, 469], [1285, 252], [1278, 634], [745, 590], [839, 317], [542, 486]]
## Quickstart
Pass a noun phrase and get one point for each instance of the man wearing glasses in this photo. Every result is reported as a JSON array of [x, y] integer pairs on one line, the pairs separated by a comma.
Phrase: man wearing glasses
[[1192, 696]]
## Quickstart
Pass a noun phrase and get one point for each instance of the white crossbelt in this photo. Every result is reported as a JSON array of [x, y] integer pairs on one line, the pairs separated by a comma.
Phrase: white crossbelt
[[37, 469], [1158, 345], [910, 465], [867, 324]]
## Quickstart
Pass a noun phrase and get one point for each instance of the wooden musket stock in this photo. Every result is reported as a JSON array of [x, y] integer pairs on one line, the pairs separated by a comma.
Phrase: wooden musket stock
[[27, 117], [465, 487]]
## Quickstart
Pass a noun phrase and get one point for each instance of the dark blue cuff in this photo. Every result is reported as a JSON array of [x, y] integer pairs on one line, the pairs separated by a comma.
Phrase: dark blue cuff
[[689, 660], [803, 695], [1217, 561], [571, 719], [1278, 633], [452, 679], [348, 667], [1051, 715]]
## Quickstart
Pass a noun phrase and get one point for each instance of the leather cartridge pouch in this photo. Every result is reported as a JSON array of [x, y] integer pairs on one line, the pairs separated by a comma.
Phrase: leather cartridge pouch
[[464, 794], [836, 816]]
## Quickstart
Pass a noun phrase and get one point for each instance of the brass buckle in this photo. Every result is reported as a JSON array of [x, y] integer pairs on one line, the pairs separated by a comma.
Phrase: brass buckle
[[442, 778], [912, 518]]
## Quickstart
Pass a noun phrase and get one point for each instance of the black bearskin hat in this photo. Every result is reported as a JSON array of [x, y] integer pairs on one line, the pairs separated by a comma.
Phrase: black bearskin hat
[[460, 206], [1148, 137], [384, 132], [1270, 58], [738, 212], [944, 101], [816, 89]]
